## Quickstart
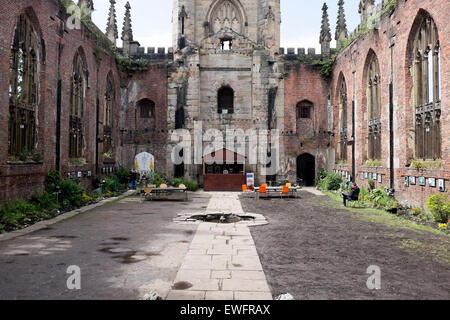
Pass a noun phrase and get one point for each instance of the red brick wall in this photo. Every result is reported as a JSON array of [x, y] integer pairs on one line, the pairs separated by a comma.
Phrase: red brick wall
[[304, 82], [148, 135], [20, 180], [353, 60]]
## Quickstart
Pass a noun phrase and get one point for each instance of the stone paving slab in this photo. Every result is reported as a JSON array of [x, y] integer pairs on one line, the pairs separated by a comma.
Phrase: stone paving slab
[[222, 262]]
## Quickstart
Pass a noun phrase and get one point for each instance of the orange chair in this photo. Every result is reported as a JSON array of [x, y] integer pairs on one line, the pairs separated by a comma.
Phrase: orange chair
[[262, 190], [148, 193], [284, 191]]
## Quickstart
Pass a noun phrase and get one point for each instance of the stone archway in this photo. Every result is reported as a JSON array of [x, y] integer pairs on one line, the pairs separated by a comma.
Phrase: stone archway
[[306, 169]]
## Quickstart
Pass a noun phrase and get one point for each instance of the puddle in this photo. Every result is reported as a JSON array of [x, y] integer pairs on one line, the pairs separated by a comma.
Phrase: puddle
[[110, 244], [120, 239], [183, 285], [221, 218], [64, 237], [128, 256]]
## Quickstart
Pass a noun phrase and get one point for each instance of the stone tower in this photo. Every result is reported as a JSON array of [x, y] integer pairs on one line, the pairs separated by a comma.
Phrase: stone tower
[[229, 50], [257, 20]]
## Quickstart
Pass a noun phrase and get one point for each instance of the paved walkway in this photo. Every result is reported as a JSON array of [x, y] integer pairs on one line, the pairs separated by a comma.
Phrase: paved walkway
[[222, 262]]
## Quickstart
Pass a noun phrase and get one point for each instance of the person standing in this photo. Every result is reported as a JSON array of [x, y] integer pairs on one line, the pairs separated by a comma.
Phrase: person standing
[[133, 178]]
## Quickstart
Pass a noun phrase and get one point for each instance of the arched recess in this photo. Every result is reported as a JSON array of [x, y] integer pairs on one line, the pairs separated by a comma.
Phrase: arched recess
[[24, 78], [342, 99], [225, 100], [79, 82], [227, 13], [372, 83], [108, 115], [146, 109], [306, 169], [424, 79]]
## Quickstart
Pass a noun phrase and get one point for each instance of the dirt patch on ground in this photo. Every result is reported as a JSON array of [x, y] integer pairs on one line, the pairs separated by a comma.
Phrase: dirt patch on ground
[[314, 248]]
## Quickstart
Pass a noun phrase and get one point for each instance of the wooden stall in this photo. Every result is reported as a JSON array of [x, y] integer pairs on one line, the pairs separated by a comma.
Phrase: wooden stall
[[224, 170]]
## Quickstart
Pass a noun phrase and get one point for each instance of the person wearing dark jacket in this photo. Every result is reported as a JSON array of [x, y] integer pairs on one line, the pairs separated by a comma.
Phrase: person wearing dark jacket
[[133, 178], [353, 196]]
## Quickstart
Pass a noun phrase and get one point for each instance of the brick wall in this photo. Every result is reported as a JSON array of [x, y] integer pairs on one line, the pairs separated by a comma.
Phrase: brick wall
[[18, 179], [394, 29], [303, 82]]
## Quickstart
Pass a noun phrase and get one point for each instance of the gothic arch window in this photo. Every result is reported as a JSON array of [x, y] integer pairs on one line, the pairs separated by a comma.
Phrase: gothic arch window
[[305, 110], [226, 14], [427, 89], [108, 116], [23, 88], [146, 109], [343, 133], [77, 104], [225, 100], [373, 93]]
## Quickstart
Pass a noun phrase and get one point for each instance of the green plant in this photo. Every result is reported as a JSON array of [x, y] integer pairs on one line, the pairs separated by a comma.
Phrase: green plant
[[123, 174], [333, 182], [156, 180], [71, 193], [372, 163], [190, 185], [25, 155], [417, 212], [426, 164], [52, 180], [109, 185], [392, 205], [44, 201], [379, 198], [439, 206]]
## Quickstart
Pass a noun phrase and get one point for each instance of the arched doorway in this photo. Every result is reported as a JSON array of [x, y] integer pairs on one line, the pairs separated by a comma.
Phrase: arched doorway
[[306, 169]]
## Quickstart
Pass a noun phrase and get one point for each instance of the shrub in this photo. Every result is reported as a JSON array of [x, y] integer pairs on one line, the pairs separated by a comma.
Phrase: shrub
[[439, 206], [71, 193], [52, 180], [123, 175], [45, 201], [320, 176], [190, 185], [109, 185], [379, 198], [156, 180], [15, 211], [333, 182]]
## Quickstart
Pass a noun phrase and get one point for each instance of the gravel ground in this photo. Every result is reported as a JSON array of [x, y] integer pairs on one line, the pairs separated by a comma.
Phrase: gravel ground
[[314, 248], [124, 250]]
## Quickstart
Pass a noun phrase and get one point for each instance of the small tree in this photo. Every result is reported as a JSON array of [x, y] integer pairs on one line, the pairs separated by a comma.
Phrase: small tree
[[439, 206]]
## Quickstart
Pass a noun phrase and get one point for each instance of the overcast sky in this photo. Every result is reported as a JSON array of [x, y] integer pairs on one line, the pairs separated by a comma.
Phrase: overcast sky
[[300, 25]]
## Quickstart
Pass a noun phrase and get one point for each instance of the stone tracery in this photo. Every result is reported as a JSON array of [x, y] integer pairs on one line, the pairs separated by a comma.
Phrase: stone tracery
[[226, 14]]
